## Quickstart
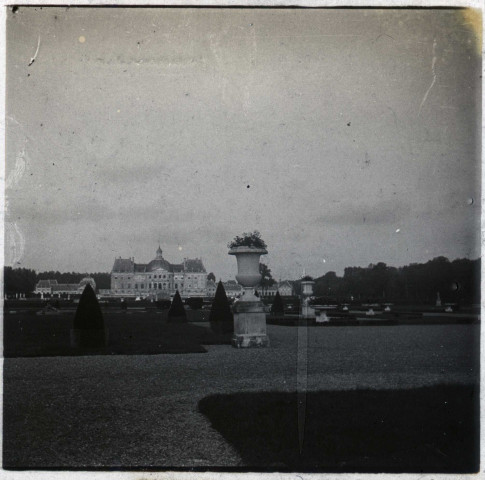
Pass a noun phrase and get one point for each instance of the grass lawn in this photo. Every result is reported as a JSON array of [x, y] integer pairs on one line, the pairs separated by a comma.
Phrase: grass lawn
[[375, 402], [429, 429], [130, 333]]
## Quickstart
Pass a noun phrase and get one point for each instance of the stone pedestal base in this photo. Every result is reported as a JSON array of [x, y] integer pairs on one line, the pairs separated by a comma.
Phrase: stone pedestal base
[[249, 325]]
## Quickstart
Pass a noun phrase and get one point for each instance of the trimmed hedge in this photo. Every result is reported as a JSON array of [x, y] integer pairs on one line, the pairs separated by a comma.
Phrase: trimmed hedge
[[221, 317], [88, 314], [176, 311], [278, 306]]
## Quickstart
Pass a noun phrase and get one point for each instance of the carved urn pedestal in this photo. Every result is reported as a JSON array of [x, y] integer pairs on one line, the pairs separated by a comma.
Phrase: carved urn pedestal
[[249, 314]]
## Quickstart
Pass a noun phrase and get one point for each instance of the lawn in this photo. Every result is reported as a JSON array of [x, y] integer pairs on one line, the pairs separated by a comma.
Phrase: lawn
[[419, 429], [375, 402], [130, 333]]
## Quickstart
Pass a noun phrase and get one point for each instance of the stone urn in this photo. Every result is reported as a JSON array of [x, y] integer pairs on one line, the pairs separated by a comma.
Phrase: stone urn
[[249, 314], [248, 275]]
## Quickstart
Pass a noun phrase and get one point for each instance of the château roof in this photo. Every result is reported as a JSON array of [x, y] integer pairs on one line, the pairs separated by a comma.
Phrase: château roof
[[122, 265], [231, 285], [46, 283]]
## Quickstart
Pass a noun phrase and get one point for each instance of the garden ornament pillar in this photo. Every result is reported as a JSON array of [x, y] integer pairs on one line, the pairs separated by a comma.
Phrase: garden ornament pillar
[[306, 293], [249, 314]]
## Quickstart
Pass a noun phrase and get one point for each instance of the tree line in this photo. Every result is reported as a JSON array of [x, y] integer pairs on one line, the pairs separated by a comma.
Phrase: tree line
[[456, 281]]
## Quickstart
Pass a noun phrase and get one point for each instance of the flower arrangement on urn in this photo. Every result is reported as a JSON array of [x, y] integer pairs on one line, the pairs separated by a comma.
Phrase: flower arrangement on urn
[[249, 314], [247, 250]]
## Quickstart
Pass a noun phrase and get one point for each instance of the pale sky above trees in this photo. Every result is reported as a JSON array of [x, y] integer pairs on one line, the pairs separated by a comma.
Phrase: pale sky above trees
[[346, 137]]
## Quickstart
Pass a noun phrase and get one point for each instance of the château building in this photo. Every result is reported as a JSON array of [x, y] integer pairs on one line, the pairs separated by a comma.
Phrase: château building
[[158, 278], [285, 289], [233, 289], [51, 287]]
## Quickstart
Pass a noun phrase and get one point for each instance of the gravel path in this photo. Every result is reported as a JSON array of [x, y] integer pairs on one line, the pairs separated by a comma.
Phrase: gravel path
[[116, 411]]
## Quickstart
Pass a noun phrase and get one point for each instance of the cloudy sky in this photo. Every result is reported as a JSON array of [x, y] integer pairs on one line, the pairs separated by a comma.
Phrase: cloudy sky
[[345, 136]]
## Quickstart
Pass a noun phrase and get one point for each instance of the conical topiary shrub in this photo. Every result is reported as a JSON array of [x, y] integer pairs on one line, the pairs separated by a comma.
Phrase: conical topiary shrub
[[278, 307], [176, 312], [221, 317], [88, 327]]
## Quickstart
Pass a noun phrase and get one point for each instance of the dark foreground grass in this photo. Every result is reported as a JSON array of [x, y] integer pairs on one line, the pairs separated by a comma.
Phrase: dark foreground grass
[[429, 429], [137, 333]]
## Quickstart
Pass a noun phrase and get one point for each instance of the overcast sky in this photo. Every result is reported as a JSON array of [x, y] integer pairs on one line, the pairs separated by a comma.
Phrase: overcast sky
[[345, 136]]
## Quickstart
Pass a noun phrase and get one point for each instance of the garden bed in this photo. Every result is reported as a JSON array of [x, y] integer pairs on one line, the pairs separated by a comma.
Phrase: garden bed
[[129, 333]]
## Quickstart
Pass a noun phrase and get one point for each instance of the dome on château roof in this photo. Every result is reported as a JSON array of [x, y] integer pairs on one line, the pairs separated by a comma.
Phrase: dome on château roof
[[158, 262]]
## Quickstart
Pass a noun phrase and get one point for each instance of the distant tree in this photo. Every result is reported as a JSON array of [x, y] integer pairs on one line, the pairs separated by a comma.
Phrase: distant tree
[[211, 276], [457, 281], [267, 279], [19, 280], [378, 278], [278, 306], [330, 287], [176, 312], [465, 287], [88, 326], [102, 279], [221, 317]]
